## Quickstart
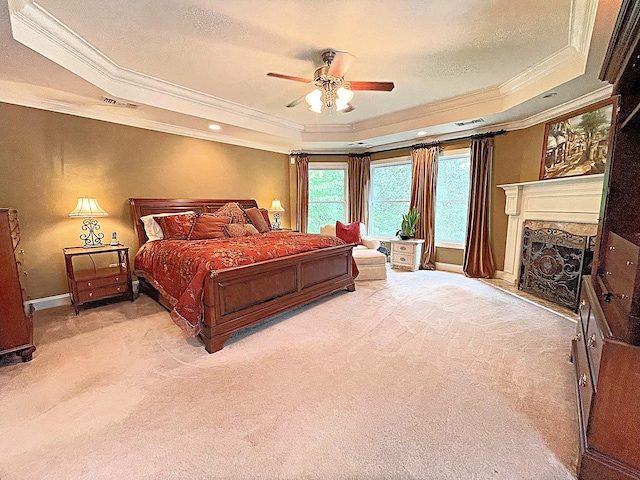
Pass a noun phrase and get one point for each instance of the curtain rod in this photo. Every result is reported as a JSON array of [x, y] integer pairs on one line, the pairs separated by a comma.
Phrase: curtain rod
[[418, 145]]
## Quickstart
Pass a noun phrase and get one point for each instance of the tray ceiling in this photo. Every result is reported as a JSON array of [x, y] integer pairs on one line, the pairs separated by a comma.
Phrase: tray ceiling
[[188, 64]]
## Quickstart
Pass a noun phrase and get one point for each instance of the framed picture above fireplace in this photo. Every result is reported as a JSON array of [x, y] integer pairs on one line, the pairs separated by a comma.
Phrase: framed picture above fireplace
[[578, 143]]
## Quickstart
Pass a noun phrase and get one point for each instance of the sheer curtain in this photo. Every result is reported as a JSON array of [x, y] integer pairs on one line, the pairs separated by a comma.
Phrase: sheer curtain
[[424, 165], [478, 259], [302, 183], [359, 181]]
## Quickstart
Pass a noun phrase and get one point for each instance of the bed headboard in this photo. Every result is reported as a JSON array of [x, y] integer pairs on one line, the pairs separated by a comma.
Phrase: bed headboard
[[152, 206]]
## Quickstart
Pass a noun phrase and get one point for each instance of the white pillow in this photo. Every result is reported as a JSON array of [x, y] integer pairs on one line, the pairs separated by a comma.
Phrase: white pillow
[[151, 227]]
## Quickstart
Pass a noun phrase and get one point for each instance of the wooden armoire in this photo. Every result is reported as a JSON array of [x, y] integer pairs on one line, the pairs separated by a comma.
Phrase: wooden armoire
[[606, 348], [16, 328]]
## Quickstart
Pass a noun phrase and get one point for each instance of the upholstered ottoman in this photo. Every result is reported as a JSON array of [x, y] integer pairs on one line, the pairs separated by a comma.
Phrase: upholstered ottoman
[[372, 264]]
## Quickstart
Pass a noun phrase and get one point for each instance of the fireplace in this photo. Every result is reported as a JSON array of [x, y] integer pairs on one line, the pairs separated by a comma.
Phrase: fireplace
[[571, 204], [554, 260]]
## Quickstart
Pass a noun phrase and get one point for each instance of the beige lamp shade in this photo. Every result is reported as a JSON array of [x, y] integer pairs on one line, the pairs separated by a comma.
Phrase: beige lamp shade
[[276, 206], [88, 208]]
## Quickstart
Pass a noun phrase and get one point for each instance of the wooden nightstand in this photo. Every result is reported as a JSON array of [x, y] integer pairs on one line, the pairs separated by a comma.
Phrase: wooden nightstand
[[104, 280], [406, 254]]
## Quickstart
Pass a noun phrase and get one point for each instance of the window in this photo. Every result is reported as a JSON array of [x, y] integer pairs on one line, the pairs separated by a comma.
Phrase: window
[[390, 196], [327, 195], [452, 199]]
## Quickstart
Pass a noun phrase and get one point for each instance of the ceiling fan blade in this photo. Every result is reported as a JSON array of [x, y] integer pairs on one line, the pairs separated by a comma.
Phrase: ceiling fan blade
[[289, 77], [340, 64], [348, 109], [296, 102], [377, 86]]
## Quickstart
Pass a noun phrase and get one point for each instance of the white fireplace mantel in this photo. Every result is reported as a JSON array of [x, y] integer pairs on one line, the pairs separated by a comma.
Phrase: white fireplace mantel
[[569, 199]]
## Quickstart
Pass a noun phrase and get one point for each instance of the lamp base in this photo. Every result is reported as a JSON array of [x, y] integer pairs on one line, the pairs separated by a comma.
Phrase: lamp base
[[276, 222], [91, 239], [95, 245]]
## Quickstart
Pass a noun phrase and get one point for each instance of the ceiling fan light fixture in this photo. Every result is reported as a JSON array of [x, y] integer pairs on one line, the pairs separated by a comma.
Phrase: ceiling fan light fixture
[[345, 95], [314, 99]]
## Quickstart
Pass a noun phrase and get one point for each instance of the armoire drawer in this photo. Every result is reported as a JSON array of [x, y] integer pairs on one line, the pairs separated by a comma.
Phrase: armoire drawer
[[619, 269], [594, 342], [584, 385]]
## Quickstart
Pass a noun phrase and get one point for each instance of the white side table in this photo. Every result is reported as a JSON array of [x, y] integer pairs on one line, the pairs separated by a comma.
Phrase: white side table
[[406, 254]]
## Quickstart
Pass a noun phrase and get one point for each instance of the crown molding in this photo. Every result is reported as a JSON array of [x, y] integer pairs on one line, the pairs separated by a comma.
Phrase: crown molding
[[104, 114], [559, 110], [563, 66], [560, 67], [536, 119], [9, 95], [36, 28]]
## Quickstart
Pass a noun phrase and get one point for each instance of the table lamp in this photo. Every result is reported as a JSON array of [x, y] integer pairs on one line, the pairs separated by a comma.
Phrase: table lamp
[[276, 207], [88, 209]]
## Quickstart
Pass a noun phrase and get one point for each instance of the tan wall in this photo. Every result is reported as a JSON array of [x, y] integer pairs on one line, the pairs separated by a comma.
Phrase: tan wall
[[516, 158], [49, 159]]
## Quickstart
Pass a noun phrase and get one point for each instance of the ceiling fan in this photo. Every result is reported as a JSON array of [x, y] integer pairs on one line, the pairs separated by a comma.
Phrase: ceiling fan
[[332, 90]]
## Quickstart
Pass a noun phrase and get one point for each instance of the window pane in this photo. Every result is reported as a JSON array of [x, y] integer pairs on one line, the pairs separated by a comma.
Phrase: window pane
[[321, 214], [386, 217], [326, 186], [452, 198], [390, 195], [391, 182]]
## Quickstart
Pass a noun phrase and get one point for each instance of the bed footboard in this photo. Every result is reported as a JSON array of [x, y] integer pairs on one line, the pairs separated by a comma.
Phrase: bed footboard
[[243, 296]]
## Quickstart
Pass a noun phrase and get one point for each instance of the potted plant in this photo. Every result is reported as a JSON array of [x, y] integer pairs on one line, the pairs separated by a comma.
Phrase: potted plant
[[408, 226]]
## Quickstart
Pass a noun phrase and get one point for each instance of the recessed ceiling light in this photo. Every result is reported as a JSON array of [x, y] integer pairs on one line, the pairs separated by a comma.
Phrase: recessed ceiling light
[[421, 133], [214, 127]]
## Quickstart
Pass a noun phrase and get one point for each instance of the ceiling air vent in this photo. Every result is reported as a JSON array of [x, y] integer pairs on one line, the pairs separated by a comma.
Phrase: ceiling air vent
[[116, 103], [470, 122]]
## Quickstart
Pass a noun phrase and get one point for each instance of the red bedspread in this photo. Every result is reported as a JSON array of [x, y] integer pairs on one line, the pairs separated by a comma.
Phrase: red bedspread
[[178, 268]]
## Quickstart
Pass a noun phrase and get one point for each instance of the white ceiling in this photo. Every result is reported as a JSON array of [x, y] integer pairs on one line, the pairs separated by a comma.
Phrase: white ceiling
[[187, 64]]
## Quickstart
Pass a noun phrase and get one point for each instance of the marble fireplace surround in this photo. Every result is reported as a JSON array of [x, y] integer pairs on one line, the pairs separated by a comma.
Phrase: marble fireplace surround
[[559, 202]]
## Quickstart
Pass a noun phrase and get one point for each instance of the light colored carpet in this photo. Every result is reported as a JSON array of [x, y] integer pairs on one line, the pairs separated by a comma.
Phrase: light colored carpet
[[425, 375]]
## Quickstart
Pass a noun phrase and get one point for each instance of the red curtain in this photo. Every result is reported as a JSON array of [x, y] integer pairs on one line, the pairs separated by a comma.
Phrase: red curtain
[[302, 182], [359, 182], [478, 259], [424, 164]]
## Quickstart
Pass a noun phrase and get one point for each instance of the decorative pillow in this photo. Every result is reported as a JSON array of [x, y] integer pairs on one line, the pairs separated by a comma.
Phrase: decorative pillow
[[232, 210], [257, 220], [151, 227], [265, 215], [208, 226], [349, 232], [240, 230], [176, 227]]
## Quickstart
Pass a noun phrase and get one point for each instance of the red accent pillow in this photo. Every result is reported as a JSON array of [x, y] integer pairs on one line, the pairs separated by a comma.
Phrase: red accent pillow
[[265, 215], [257, 220], [176, 227], [232, 210], [208, 226], [349, 232]]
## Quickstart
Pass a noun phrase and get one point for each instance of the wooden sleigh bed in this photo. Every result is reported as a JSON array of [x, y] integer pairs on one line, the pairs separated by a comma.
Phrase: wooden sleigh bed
[[235, 298]]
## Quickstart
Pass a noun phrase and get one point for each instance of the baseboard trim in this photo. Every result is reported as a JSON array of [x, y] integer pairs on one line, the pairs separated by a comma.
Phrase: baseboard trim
[[449, 267], [507, 277], [48, 302], [59, 300]]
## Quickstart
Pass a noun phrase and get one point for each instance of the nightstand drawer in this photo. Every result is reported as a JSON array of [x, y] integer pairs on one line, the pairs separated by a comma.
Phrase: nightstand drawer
[[409, 248], [90, 284], [101, 282], [103, 292], [404, 259]]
